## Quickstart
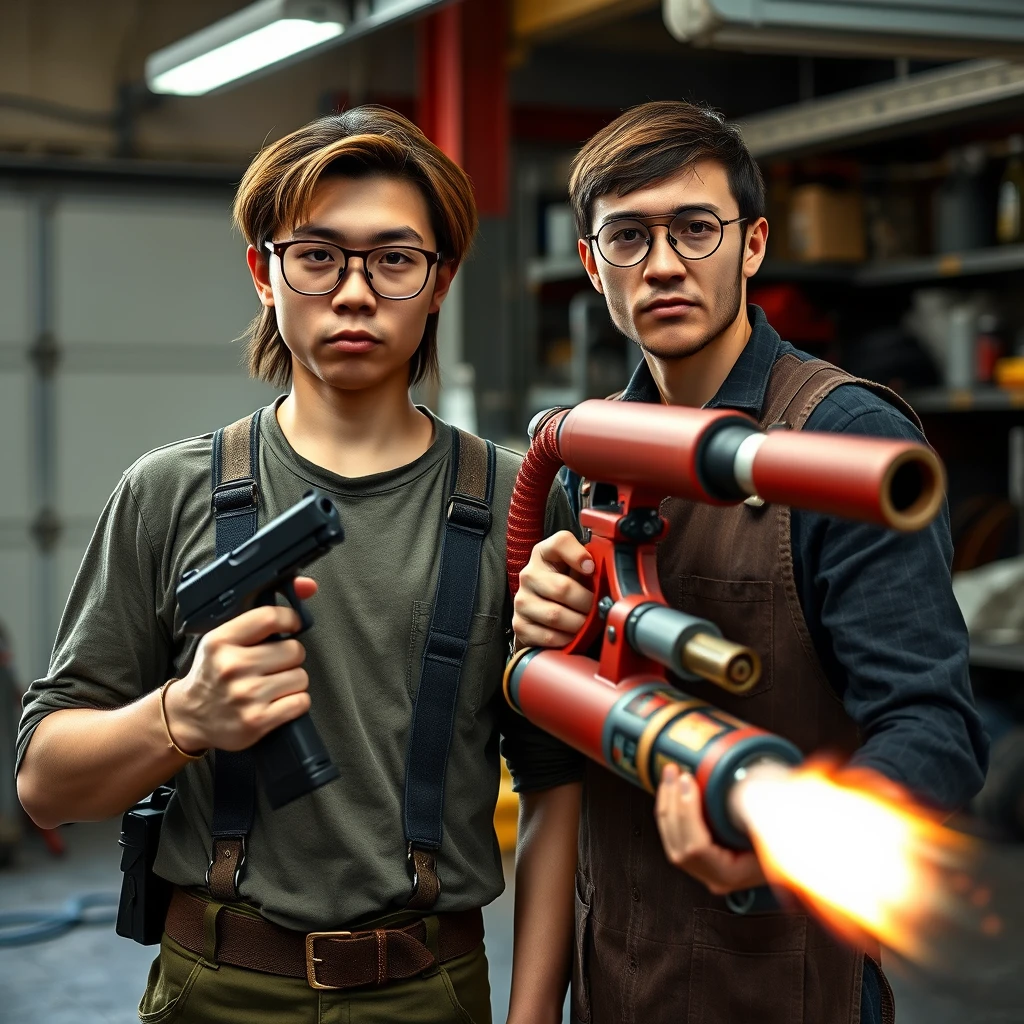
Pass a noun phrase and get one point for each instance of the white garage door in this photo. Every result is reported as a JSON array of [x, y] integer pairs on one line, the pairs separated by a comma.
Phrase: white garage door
[[17, 594], [143, 294]]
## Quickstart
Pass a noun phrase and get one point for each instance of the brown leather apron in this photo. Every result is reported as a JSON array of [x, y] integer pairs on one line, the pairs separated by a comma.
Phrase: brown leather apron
[[652, 945]]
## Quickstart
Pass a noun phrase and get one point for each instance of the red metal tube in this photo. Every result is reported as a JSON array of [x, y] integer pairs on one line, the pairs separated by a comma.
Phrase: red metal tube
[[899, 484], [563, 695], [653, 447]]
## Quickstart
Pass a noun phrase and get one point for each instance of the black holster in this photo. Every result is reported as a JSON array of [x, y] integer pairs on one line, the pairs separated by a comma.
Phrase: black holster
[[145, 896]]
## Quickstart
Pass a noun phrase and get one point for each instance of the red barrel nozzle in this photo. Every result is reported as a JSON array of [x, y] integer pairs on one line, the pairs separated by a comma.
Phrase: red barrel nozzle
[[898, 484]]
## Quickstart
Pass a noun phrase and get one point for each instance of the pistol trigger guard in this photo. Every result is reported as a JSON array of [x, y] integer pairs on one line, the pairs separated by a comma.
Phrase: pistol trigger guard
[[306, 620]]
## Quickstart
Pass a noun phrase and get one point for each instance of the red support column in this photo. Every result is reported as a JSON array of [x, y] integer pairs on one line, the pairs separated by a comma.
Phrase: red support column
[[439, 103], [486, 104], [463, 94]]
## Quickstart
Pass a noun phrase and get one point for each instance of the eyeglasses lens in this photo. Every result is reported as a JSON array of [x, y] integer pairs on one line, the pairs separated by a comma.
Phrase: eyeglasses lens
[[314, 268], [694, 234]]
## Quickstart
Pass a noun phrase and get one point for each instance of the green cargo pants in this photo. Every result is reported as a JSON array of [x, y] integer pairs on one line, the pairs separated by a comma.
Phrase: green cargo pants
[[185, 988]]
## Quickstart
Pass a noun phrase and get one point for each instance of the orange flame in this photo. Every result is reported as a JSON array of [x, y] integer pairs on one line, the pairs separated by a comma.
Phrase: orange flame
[[859, 854]]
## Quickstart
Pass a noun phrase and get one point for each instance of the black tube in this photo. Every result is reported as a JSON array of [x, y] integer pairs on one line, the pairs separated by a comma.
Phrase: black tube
[[716, 464], [661, 633]]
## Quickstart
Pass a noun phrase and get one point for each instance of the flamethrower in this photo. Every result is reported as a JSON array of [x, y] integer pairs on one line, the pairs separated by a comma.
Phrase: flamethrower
[[853, 847], [620, 709]]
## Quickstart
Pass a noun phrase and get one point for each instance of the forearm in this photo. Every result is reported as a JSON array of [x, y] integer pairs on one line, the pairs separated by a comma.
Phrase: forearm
[[930, 751], [545, 880], [85, 764]]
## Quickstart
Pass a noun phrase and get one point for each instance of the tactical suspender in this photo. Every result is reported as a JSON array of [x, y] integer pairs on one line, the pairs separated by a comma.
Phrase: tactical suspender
[[466, 524], [235, 478], [467, 520]]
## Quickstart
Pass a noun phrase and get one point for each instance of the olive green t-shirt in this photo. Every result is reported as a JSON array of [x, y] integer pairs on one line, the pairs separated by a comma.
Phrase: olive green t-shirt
[[337, 855]]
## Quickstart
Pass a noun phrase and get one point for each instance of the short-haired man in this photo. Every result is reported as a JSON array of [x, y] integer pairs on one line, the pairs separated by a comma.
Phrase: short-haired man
[[864, 648], [356, 224]]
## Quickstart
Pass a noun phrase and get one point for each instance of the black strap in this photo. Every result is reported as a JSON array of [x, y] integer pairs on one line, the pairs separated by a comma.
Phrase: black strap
[[235, 478], [466, 523]]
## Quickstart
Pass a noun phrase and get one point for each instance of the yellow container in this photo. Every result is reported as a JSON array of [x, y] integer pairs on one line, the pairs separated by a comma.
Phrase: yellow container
[[1009, 372]]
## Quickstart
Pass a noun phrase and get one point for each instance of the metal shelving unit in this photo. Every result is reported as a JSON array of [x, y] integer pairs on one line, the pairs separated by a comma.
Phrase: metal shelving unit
[[997, 260], [980, 399]]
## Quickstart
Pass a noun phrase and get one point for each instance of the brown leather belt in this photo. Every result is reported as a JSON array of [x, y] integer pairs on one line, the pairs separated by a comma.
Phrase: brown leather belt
[[327, 960]]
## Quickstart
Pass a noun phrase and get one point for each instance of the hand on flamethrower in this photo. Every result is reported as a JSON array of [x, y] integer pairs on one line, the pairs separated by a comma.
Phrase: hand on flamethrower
[[607, 693]]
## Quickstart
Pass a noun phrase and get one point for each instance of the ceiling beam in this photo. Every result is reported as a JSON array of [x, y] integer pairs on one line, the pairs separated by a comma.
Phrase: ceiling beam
[[543, 19]]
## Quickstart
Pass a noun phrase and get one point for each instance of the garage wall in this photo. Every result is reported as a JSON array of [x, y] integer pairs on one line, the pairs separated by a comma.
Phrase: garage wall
[[16, 314], [145, 292]]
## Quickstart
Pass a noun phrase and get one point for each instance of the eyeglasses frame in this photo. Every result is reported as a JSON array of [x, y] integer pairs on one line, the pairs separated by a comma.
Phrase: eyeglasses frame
[[662, 221], [280, 248]]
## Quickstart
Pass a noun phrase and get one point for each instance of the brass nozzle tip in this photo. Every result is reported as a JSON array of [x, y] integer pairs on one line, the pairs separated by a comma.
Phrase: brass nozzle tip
[[731, 666]]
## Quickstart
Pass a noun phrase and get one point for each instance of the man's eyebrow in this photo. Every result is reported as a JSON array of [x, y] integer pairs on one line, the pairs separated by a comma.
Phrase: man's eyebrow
[[401, 234], [641, 214]]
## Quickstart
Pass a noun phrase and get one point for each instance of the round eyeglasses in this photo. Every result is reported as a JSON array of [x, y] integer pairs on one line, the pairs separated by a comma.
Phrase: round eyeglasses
[[312, 267], [694, 233]]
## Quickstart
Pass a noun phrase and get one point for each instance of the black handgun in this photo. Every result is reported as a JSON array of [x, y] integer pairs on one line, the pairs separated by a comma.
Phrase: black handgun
[[292, 759]]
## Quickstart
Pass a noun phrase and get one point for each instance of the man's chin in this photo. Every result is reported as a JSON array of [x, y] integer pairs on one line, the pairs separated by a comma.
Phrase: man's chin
[[674, 347]]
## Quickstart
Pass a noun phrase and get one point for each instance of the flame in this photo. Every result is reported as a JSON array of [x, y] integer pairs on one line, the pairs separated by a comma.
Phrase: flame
[[860, 855]]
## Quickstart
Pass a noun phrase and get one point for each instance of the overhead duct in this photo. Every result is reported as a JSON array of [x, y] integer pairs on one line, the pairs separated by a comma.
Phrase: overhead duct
[[922, 29], [874, 112]]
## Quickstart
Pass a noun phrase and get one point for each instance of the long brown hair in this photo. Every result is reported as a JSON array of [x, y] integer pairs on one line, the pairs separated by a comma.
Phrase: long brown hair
[[279, 185]]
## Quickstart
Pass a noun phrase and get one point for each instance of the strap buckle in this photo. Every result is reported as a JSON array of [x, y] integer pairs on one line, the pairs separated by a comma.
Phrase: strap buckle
[[312, 960], [238, 866], [430, 864], [235, 495], [410, 850], [468, 513]]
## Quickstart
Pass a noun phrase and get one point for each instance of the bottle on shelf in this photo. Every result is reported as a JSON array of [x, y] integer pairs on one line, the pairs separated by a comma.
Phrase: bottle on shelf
[[963, 220], [989, 347], [1010, 210]]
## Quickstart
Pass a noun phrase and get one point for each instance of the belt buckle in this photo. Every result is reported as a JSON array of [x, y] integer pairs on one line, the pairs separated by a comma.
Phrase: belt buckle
[[312, 961]]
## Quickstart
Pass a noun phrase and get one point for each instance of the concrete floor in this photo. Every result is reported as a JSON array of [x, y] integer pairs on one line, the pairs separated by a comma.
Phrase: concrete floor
[[90, 976]]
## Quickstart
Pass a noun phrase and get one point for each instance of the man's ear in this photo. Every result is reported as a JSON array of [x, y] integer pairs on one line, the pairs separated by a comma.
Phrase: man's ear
[[590, 264], [756, 246], [442, 282], [259, 268]]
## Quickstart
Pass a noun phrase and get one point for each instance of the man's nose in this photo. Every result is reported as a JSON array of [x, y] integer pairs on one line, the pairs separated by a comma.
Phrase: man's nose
[[663, 262], [354, 291]]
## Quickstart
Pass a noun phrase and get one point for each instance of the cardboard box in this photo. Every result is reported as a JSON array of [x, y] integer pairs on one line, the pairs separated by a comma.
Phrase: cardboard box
[[826, 225]]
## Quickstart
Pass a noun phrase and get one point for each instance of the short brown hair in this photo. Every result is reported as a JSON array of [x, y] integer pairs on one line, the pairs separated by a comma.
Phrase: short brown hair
[[653, 141], [278, 188]]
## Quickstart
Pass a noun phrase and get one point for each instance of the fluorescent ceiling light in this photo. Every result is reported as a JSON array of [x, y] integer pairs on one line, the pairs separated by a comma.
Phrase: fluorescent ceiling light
[[239, 59], [263, 35]]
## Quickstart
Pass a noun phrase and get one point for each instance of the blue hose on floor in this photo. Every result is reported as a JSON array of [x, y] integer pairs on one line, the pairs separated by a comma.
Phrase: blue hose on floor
[[21, 927]]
